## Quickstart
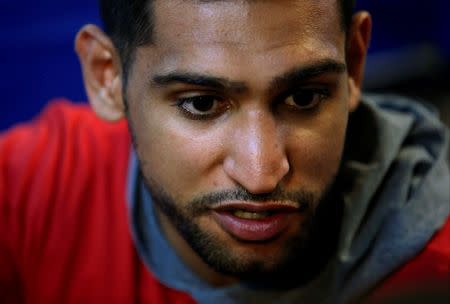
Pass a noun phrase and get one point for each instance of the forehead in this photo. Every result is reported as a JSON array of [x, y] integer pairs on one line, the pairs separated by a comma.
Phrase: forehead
[[202, 34], [239, 20]]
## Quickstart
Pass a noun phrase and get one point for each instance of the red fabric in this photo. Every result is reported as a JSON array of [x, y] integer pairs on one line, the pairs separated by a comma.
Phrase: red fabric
[[64, 230], [428, 271]]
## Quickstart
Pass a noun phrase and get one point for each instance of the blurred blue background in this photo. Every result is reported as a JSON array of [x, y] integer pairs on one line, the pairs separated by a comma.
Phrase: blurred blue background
[[410, 51]]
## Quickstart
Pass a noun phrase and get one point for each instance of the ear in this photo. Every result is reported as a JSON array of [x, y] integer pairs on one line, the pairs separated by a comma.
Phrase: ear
[[357, 45], [101, 72]]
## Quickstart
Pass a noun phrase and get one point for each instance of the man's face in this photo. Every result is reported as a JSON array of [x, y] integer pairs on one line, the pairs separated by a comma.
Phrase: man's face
[[239, 111]]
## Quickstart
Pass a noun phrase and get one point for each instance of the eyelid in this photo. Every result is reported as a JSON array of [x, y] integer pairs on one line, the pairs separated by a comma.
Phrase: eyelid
[[320, 89], [182, 101], [323, 93], [188, 93], [190, 96]]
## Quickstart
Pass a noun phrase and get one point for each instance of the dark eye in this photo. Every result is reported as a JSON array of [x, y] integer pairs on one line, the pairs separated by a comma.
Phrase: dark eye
[[306, 98], [202, 106]]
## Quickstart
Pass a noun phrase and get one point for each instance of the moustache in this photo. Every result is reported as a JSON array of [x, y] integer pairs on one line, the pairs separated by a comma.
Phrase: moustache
[[302, 199]]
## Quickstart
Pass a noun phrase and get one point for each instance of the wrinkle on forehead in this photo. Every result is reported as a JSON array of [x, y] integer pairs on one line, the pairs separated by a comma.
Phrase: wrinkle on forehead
[[255, 23]]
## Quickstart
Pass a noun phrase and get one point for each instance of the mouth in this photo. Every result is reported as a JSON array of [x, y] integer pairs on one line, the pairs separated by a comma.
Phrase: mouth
[[252, 215], [255, 222]]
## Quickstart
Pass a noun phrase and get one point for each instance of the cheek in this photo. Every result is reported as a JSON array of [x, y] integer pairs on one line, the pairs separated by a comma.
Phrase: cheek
[[171, 154], [315, 154]]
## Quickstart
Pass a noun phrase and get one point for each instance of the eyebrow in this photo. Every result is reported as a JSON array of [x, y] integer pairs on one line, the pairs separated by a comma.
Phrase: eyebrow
[[301, 74], [198, 80], [290, 78]]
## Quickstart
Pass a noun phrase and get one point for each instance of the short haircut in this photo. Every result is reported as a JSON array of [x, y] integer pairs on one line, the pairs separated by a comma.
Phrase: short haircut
[[129, 24]]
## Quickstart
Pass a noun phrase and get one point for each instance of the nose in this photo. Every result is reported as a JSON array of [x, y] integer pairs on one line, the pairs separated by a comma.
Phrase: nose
[[257, 158]]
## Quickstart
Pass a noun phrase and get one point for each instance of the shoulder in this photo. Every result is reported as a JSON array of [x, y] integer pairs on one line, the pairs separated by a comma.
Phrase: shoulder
[[61, 122], [60, 175], [58, 149], [62, 147], [427, 271], [63, 137], [432, 263], [51, 165]]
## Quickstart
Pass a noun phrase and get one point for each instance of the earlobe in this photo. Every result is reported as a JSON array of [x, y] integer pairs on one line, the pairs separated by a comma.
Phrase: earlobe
[[107, 102], [101, 72], [357, 45]]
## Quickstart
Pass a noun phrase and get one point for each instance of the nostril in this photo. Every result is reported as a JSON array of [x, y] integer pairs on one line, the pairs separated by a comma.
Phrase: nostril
[[256, 177]]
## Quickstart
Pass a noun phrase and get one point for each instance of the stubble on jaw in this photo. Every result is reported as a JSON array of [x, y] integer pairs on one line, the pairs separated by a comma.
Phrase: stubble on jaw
[[304, 255]]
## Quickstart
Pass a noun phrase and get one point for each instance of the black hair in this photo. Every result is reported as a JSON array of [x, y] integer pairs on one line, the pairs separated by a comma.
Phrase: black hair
[[129, 23]]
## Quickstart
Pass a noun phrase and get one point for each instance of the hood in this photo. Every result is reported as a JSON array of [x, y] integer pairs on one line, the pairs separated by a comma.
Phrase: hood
[[396, 189]]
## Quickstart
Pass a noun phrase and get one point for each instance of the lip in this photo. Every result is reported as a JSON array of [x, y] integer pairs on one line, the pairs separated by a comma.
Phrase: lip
[[256, 230], [257, 206]]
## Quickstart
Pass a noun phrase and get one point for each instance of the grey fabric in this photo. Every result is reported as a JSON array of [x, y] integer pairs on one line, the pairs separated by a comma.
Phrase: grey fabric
[[399, 198], [396, 196]]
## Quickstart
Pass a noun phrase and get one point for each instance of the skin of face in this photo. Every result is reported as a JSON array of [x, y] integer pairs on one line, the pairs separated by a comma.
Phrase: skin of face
[[243, 98]]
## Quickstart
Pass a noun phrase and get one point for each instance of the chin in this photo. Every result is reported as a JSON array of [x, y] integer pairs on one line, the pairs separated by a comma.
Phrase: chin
[[258, 262]]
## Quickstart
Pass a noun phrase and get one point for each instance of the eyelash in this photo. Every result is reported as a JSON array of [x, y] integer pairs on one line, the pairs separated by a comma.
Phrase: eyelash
[[324, 93], [182, 101]]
